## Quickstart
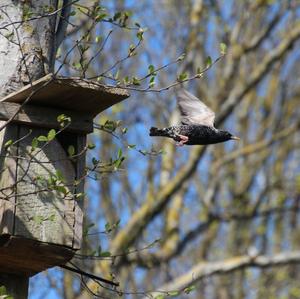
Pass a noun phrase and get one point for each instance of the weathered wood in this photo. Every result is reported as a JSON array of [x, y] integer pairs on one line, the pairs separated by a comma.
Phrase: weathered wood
[[27, 257], [40, 221], [45, 117], [78, 225], [8, 171], [41, 212], [27, 55], [15, 285], [30, 208], [69, 93]]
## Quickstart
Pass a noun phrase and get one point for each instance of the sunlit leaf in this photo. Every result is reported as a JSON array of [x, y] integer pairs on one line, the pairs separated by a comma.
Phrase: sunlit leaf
[[223, 48], [51, 135], [189, 289], [71, 150], [208, 61], [182, 77], [105, 254], [42, 138], [8, 143], [181, 57]]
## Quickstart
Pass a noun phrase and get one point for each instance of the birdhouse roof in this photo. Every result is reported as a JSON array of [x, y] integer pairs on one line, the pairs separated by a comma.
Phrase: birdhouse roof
[[75, 94]]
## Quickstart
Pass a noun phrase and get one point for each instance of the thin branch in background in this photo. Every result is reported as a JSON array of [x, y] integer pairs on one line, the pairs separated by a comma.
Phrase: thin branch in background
[[77, 270], [199, 75], [118, 62], [98, 52], [46, 15]]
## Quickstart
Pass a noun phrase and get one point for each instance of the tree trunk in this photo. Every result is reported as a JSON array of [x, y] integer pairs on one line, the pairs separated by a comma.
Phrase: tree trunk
[[27, 51], [26, 45]]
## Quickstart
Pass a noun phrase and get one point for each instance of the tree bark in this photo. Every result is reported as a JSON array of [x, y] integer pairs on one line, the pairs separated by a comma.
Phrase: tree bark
[[27, 47], [27, 42]]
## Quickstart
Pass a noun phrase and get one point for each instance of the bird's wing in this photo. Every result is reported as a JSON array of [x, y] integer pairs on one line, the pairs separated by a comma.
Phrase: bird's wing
[[193, 111]]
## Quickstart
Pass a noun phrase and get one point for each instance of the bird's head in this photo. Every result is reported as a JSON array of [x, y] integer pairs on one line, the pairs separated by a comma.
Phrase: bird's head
[[227, 136]]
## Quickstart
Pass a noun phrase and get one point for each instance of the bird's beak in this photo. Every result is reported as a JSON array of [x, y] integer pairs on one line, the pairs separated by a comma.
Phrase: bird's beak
[[234, 138]]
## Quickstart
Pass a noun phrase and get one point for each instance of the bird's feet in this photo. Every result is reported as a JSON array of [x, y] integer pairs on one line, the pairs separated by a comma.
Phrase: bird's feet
[[183, 140]]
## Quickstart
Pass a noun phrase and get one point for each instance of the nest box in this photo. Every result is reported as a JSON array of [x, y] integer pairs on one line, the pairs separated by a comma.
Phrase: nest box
[[41, 207]]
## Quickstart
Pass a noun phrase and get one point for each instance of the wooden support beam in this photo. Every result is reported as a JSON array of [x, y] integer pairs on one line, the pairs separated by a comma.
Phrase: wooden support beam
[[45, 117], [15, 285], [75, 94]]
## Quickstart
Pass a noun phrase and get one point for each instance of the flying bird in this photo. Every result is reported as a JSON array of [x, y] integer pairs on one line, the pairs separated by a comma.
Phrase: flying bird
[[197, 124]]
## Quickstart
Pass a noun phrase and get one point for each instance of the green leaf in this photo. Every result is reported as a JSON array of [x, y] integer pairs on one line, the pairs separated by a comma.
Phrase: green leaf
[[79, 195], [160, 296], [34, 144], [3, 291], [98, 39], [71, 150], [111, 125], [73, 13], [8, 143], [119, 153], [119, 162], [91, 146], [108, 227], [100, 17], [59, 175], [95, 161], [223, 48], [61, 189], [151, 68], [140, 34], [182, 77], [131, 146], [189, 289], [51, 135], [181, 57], [62, 119], [208, 62], [173, 293], [42, 138], [117, 16], [38, 219], [105, 254], [135, 81], [152, 82]]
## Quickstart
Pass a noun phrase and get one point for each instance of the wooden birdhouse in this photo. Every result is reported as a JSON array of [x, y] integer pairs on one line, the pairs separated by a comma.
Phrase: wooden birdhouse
[[42, 164]]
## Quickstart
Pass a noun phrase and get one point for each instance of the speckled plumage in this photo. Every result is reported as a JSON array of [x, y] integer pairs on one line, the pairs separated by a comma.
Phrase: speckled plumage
[[197, 123], [197, 134]]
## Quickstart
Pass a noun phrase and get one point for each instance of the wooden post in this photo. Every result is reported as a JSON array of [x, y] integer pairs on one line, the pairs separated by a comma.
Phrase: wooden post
[[41, 226], [15, 285]]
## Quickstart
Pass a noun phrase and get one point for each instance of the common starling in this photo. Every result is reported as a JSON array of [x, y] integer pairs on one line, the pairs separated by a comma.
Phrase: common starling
[[197, 123]]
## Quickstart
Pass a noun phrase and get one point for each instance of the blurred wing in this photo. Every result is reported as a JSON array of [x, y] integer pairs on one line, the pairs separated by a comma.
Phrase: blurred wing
[[193, 111]]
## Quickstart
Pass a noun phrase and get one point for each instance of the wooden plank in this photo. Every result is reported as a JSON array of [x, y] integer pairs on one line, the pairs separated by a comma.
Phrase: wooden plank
[[43, 213], [69, 93], [8, 168], [45, 117], [16, 285], [26, 256], [80, 176]]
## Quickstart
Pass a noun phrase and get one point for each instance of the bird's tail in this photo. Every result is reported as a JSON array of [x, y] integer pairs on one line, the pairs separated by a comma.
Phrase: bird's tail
[[158, 132]]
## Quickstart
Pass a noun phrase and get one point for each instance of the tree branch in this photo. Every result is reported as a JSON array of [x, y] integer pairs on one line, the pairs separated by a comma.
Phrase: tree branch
[[205, 269]]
